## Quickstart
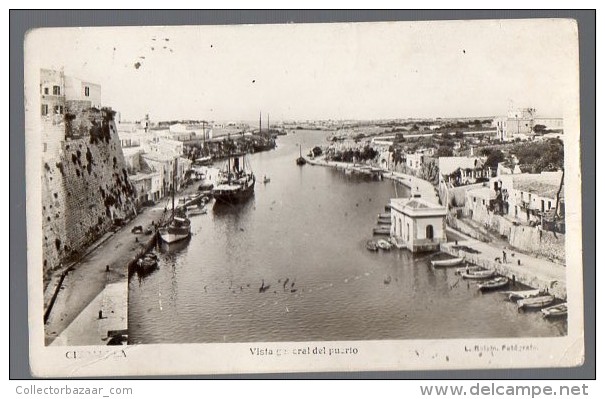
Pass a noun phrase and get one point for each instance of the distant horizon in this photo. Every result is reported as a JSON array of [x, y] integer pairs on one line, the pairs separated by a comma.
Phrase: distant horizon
[[319, 72]]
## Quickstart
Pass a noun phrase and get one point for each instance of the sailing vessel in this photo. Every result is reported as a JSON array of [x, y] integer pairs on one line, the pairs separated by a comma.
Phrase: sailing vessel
[[300, 160], [237, 182], [178, 226]]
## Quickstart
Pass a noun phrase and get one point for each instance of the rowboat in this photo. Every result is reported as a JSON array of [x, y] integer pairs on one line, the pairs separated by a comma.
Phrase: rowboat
[[384, 244], [447, 262], [371, 245], [555, 311], [478, 275], [535, 302], [515, 295], [461, 270], [147, 262], [498, 282]]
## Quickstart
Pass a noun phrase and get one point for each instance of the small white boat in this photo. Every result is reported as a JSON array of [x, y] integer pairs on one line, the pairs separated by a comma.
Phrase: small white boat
[[535, 302], [515, 295], [371, 245], [196, 210], [478, 275], [447, 262], [493, 284], [555, 311], [384, 244], [461, 270]]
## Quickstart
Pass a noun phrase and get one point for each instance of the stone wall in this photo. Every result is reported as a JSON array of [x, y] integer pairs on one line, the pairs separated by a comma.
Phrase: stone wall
[[86, 189], [533, 240]]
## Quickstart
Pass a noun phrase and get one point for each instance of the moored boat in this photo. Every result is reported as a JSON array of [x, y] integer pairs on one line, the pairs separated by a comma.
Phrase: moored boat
[[535, 302], [461, 270], [555, 311], [478, 275], [194, 210], [447, 262], [237, 183], [493, 284], [300, 160], [515, 295], [178, 227], [206, 187], [147, 263], [384, 244], [371, 245]]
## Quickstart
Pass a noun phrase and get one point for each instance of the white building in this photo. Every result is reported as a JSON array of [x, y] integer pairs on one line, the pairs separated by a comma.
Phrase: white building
[[416, 224], [461, 170], [81, 90], [528, 197], [414, 161]]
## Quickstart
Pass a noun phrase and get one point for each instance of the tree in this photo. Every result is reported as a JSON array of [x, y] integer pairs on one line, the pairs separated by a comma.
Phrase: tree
[[494, 158], [429, 171], [539, 128], [444, 151]]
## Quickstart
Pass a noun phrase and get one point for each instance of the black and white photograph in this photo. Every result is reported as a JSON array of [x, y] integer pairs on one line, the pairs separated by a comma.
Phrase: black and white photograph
[[298, 197]]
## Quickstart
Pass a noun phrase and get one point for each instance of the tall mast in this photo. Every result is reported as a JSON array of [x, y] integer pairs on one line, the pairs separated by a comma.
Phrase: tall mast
[[176, 160], [260, 123], [229, 160], [268, 125]]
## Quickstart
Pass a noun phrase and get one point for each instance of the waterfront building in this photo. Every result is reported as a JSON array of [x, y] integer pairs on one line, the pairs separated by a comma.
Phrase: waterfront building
[[148, 187], [528, 197], [480, 201], [416, 224]]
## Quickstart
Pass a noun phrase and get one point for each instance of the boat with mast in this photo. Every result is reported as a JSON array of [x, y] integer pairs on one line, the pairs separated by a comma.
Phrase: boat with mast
[[237, 181], [300, 160], [178, 226]]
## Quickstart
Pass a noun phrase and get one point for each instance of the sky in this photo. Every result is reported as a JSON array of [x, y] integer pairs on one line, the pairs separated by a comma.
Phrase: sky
[[321, 71]]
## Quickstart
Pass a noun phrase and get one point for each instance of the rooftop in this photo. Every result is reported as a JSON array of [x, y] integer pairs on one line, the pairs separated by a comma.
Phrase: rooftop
[[417, 207], [482, 192], [539, 188], [157, 156], [448, 165]]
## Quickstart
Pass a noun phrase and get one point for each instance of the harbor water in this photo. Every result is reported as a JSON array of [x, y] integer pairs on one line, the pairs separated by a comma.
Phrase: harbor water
[[304, 234]]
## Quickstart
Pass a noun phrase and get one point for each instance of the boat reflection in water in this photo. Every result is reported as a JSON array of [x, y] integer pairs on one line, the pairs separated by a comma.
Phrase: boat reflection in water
[[173, 248]]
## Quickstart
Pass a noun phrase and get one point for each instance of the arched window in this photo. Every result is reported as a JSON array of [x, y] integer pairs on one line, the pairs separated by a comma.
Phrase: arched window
[[429, 232]]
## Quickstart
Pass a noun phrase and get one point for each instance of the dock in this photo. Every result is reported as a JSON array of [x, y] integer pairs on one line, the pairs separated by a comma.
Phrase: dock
[[534, 272]]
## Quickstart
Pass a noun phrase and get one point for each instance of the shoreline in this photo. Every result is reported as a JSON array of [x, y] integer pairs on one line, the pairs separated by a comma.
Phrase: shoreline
[[533, 271]]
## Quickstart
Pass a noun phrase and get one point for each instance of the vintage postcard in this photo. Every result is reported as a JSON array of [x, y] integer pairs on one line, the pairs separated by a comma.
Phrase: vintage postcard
[[304, 197]]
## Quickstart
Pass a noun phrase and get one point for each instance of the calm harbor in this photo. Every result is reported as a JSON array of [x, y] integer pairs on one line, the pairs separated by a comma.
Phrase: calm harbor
[[304, 233]]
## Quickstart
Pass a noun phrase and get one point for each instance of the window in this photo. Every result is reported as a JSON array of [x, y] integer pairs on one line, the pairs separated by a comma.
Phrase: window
[[44, 147], [44, 109], [56, 90], [483, 202], [46, 90], [86, 91], [58, 109]]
